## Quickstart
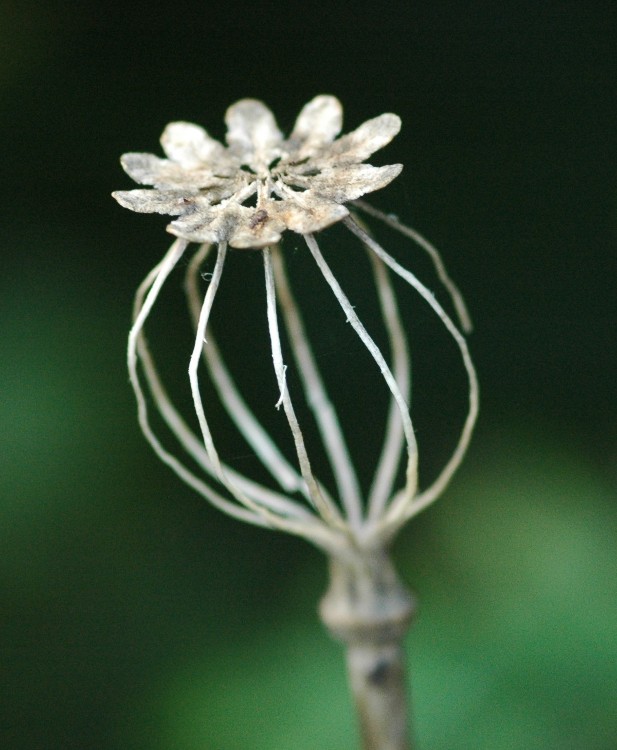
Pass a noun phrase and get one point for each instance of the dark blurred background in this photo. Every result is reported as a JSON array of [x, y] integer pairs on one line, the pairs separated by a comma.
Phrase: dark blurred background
[[135, 616]]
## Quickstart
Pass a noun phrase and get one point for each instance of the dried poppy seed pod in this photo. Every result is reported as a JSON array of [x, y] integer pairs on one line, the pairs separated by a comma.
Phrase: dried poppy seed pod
[[245, 195]]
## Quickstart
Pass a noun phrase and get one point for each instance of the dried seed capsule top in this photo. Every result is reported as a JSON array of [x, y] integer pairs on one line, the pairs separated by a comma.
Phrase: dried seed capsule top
[[249, 192]]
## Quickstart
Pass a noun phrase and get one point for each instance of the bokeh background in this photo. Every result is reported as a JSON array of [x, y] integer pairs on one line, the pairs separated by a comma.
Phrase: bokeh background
[[134, 616]]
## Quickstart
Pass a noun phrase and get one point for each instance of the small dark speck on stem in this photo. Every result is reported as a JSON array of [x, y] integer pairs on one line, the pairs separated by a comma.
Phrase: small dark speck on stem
[[379, 674]]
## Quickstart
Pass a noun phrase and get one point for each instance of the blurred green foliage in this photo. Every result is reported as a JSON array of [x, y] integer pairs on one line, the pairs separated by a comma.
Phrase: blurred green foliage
[[132, 615]]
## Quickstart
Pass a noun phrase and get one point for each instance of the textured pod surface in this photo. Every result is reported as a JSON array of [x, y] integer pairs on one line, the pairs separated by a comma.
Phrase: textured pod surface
[[248, 193]]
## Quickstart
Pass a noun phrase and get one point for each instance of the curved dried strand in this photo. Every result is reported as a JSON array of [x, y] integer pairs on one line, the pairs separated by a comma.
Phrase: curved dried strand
[[295, 519], [412, 446], [273, 519], [404, 505], [390, 458], [324, 506], [385, 474], [189, 441], [244, 419], [200, 341], [434, 254], [153, 282], [317, 397]]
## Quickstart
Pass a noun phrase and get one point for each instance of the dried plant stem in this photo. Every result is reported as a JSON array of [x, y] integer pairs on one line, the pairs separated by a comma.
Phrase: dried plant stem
[[327, 510], [369, 610], [263, 506], [433, 253], [394, 437], [363, 335], [406, 504], [244, 419], [317, 396]]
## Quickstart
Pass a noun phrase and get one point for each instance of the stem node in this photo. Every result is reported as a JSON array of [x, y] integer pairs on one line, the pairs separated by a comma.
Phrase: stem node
[[368, 608]]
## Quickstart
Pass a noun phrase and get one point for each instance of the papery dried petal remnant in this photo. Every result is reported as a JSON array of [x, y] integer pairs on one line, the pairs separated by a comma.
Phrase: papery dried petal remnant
[[249, 192]]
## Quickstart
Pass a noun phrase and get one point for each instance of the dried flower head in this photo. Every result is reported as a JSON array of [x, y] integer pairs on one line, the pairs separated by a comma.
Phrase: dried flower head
[[248, 193], [244, 196]]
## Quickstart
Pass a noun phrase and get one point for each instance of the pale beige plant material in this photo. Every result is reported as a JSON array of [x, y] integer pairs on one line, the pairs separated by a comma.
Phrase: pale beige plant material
[[299, 183], [245, 195]]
